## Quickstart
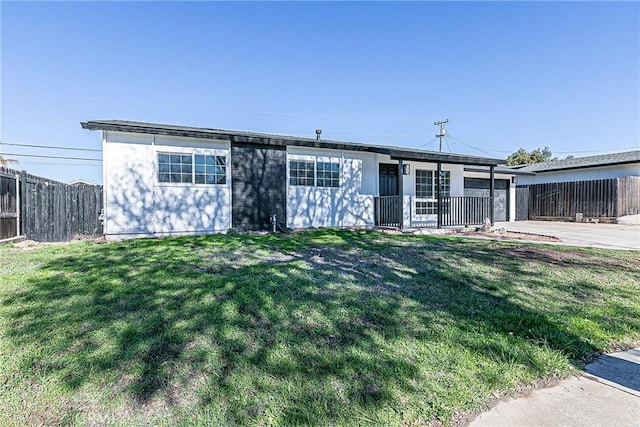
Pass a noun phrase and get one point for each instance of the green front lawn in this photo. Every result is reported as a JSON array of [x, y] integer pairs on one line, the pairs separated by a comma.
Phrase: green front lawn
[[321, 327]]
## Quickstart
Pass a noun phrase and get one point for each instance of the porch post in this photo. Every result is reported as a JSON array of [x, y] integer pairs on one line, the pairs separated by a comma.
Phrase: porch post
[[491, 194], [439, 195], [401, 194]]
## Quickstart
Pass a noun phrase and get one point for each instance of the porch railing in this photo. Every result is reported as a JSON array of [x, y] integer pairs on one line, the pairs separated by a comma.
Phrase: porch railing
[[461, 210], [388, 211], [456, 211]]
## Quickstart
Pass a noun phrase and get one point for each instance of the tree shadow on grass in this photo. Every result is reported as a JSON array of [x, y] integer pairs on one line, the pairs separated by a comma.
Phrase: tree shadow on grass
[[307, 328]]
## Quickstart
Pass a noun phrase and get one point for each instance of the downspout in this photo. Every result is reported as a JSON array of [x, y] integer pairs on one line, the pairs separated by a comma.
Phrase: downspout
[[154, 162], [439, 195], [401, 193], [491, 193], [105, 186], [343, 199]]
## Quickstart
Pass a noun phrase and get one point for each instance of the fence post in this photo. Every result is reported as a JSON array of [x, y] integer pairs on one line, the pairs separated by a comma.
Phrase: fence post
[[18, 201], [24, 208]]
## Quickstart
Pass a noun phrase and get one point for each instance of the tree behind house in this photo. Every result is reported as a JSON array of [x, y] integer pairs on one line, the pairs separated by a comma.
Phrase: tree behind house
[[524, 157], [5, 162]]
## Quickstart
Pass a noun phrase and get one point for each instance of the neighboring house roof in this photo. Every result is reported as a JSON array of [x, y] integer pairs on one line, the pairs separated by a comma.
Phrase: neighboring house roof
[[583, 162], [396, 153], [81, 182]]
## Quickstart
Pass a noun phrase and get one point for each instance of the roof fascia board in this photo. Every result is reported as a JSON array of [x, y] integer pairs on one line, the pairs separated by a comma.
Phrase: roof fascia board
[[601, 165], [444, 158], [393, 152], [501, 171]]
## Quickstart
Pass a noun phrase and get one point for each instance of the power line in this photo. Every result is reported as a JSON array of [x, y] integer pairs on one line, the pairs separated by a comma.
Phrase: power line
[[471, 146], [48, 146], [202, 107], [427, 143], [51, 157], [390, 135], [555, 152], [27, 162], [596, 151]]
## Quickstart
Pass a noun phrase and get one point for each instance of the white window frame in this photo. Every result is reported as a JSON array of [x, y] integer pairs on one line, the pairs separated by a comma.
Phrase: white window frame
[[428, 206], [192, 154], [315, 161], [298, 170]]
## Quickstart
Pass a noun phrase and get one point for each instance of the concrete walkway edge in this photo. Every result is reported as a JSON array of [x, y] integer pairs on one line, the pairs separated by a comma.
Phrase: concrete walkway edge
[[606, 394]]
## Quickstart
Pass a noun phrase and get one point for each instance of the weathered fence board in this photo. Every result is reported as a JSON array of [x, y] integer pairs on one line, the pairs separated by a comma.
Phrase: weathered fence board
[[629, 195], [522, 203], [49, 210], [9, 205], [605, 198]]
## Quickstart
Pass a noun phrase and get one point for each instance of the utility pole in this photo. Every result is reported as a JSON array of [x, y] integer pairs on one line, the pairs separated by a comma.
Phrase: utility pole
[[442, 130]]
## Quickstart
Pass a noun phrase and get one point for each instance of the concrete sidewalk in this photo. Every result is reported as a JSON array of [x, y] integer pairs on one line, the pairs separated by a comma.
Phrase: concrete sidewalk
[[610, 236], [606, 394]]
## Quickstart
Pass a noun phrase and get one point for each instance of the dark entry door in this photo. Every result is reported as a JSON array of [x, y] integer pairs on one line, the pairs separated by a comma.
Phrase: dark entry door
[[388, 180]]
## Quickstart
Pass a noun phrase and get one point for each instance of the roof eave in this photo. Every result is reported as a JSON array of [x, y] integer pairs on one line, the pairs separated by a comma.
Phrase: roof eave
[[275, 140], [507, 171], [622, 162]]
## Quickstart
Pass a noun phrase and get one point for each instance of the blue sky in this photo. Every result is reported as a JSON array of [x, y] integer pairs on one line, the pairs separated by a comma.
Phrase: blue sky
[[506, 75]]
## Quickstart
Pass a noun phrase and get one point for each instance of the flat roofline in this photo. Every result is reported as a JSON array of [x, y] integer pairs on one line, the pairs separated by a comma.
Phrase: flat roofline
[[500, 170], [599, 165], [396, 153]]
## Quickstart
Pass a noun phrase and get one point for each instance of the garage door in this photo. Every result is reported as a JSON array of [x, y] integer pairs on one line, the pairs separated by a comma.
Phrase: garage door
[[479, 187]]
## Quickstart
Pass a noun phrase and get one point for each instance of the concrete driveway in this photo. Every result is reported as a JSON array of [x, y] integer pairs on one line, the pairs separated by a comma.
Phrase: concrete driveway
[[612, 236]]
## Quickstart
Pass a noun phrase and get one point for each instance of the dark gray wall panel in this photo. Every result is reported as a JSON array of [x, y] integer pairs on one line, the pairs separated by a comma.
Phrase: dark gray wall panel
[[484, 184], [258, 185]]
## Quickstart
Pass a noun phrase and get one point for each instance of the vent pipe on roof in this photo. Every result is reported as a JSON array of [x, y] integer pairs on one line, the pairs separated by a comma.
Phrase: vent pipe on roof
[[318, 132]]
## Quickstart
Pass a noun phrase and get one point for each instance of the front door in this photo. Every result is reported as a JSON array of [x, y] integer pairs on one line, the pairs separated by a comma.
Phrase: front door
[[388, 180]]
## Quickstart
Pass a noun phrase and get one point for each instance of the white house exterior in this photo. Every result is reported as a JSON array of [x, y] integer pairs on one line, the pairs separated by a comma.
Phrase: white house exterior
[[172, 180]]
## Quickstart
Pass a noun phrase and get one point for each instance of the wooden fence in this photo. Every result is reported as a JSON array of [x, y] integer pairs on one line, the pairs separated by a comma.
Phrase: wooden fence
[[522, 203], [9, 221], [628, 195], [48, 211], [605, 198]]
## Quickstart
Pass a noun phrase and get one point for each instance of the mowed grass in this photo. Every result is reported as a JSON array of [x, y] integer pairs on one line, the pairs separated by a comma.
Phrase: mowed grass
[[322, 328]]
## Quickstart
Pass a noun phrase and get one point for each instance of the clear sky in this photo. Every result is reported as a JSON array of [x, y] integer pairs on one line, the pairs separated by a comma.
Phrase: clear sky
[[506, 75]]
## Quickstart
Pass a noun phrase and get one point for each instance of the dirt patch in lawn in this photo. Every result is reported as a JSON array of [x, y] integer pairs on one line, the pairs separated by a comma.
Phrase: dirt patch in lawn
[[32, 245], [510, 235]]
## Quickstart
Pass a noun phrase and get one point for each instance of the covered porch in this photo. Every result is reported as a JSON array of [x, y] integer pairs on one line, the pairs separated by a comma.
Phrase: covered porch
[[426, 190]]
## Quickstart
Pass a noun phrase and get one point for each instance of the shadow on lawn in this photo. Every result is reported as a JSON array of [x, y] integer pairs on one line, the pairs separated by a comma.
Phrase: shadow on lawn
[[237, 317]]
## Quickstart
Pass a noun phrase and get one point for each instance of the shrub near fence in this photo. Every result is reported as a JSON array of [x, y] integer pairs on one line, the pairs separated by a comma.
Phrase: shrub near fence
[[51, 211]]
